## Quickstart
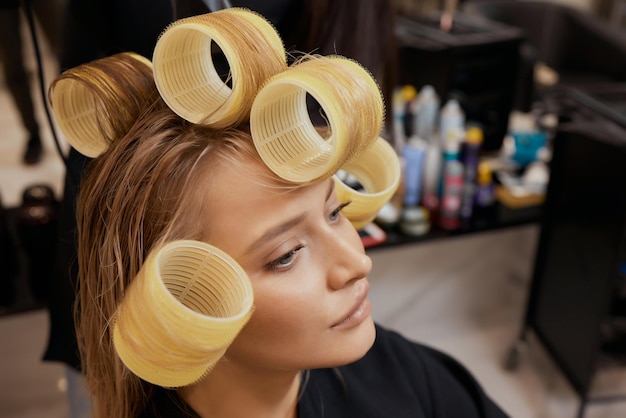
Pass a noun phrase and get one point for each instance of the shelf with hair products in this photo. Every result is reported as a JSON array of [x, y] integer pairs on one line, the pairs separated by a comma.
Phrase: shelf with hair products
[[451, 186], [375, 236], [453, 75], [498, 216]]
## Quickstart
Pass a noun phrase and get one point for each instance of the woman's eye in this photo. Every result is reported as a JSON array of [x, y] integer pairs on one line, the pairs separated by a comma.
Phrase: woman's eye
[[334, 215], [284, 261]]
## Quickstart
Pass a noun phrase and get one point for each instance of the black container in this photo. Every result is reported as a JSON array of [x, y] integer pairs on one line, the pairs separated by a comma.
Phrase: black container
[[36, 225], [9, 264], [476, 61], [582, 245]]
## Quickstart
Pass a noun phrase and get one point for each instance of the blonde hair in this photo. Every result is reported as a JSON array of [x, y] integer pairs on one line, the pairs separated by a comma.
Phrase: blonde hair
[[149, 188], [96, 102], [150, 185]]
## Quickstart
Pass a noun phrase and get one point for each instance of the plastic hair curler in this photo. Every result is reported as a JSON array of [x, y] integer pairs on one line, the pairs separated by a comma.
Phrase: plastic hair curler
[[180, 314], [83, 99], [284, 134], [185, 73], [378, 171]]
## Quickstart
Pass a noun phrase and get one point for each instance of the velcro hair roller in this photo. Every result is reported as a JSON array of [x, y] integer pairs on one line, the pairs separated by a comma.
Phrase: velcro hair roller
[[180, 314], [378, 170], [284, 134], [187, 79], [84, 99]]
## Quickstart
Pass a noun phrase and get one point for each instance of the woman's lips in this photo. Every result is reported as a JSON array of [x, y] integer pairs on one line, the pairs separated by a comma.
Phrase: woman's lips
[[359, 312]]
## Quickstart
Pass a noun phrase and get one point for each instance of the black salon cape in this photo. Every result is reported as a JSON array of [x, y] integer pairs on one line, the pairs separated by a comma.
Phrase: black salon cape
[[397, 378]]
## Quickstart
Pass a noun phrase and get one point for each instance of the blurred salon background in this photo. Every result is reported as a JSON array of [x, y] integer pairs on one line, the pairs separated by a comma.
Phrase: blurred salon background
[[506, 247]]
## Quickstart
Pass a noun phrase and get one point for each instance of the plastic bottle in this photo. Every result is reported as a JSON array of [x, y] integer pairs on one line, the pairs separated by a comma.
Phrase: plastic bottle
[[403, 115], [414, 219], [452, 121], [450, 207], [399, 136], [450, 151], [484, 186], [409, 96], [484, 199], [414, 152], [451, 134], [433, 172], [469, 156], [427, 109]]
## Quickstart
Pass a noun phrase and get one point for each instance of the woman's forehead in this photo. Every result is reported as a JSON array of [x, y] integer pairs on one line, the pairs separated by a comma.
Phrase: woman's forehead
[[249, 181], [248, 170], [245, 204]]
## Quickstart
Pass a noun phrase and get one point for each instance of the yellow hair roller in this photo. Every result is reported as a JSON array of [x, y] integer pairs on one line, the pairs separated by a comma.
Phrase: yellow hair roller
[[185, 74], [284, 134], [83, 99], [378, 171], [180, 314]]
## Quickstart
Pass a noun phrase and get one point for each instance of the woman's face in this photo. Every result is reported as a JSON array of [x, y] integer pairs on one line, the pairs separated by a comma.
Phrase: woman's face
[[308, 270]]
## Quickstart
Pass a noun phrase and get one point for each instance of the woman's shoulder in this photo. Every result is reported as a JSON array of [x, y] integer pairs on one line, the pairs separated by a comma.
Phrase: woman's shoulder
[[402, 378], [394, 349]]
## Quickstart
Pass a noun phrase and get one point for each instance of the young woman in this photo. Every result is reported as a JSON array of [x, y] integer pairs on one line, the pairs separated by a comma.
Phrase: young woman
[[166, 177]]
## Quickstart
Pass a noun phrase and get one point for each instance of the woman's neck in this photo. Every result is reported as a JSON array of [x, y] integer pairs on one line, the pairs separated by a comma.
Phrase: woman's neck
[[231, 391]]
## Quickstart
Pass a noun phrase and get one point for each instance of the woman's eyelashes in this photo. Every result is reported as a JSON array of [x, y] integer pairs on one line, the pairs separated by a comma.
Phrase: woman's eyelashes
[[334, 215], [285, 261]]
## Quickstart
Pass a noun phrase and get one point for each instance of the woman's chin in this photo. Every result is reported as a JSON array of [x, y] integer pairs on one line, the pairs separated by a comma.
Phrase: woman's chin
[[360, 340], [368, 336]]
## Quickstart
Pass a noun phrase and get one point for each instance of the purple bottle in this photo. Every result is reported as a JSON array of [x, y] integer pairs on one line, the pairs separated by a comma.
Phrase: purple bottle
[[470, 157]]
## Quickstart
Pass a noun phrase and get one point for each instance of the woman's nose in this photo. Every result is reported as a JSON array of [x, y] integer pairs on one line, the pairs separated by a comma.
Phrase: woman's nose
[[347, 260]]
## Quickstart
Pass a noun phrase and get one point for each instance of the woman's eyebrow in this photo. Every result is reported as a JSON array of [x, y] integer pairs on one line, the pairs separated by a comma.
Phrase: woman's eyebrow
[[281, 228], [275, 231]]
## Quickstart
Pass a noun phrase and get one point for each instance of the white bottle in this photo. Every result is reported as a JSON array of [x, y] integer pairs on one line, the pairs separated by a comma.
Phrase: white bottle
[[427, 108], [398, 109], [433, 171], [452, 121]]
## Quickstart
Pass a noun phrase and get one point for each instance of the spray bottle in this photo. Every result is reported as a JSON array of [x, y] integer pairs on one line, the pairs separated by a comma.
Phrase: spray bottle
[[399, 136], [403, 115], [427, 108], [484, 199], [452, 193], [451, 134], [414, 152], [452, 121], [433, 172], [470, 156], [414, 219]]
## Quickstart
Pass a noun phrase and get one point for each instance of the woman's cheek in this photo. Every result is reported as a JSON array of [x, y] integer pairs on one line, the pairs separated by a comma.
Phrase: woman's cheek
[[288, 302]]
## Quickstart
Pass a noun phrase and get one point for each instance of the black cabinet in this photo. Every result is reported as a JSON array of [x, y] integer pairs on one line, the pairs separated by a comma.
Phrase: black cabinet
[[475, 61], [582, 242]]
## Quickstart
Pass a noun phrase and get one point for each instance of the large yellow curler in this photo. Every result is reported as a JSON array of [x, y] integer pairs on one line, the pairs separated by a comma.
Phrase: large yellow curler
[[284, 134], [180, 314], [83, 99], [378, 171], [186, 76]]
